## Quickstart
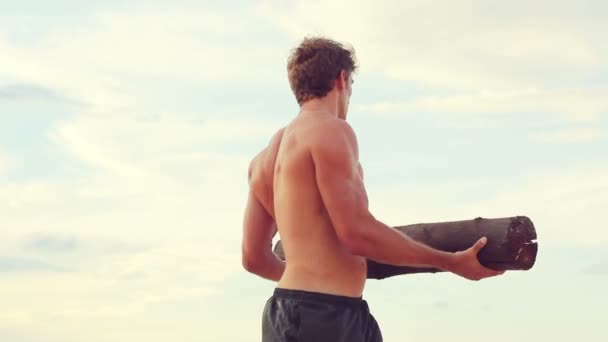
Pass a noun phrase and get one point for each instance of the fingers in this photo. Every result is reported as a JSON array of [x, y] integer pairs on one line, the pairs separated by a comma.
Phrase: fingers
[[491, 273], [479, 272], [494, 273], [481, 243], [476, 271], [482, 272]]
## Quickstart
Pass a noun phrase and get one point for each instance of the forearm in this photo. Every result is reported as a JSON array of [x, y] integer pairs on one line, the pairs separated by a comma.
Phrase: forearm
[[387, 245], [271, 267]]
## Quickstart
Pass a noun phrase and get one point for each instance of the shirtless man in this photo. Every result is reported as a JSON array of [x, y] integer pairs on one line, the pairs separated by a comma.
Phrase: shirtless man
[[307, 184]]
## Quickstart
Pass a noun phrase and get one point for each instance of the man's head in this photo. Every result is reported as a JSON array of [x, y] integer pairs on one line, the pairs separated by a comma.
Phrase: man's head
[[320, 66]]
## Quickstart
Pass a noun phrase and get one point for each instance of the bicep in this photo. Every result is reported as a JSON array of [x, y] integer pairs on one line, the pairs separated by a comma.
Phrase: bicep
[[341, 186]]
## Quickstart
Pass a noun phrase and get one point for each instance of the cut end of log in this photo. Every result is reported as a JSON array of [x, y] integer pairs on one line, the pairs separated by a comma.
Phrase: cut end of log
[[522, 235], [519, 247]]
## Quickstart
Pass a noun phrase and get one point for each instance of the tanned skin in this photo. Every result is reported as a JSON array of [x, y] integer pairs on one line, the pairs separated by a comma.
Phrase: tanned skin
[[307, 185]]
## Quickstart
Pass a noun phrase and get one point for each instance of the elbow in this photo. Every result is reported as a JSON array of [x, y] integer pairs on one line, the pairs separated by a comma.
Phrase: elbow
[[250, 263], [357, 236], [354, 240], [356, 245], [255, 263]]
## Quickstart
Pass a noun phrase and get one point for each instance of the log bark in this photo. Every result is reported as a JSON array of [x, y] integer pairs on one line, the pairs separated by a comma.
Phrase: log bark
[[511, 244]]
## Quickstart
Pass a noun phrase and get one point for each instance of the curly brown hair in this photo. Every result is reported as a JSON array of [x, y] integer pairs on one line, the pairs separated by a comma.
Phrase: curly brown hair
[[315, 64]]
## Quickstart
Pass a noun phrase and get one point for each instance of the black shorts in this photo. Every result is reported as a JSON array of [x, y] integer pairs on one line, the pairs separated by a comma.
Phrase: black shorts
[[301, 316]]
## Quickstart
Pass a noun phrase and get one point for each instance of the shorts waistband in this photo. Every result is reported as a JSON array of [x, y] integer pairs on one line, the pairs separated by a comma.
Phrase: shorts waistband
[[318, 297]]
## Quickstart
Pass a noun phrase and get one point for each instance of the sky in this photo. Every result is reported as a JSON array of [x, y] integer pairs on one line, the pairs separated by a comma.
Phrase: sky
[[126, 131]]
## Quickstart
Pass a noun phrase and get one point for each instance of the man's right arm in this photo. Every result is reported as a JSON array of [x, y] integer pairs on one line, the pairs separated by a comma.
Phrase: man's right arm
[[344, 196]]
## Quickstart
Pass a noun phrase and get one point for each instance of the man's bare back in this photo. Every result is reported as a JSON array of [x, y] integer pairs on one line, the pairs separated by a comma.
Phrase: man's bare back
[[287, 185]]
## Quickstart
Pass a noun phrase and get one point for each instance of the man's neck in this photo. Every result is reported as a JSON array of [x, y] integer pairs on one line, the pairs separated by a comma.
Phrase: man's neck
[[321, 106]]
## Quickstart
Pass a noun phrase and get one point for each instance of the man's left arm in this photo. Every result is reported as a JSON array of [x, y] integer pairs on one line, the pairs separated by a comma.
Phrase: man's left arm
[[258, 230]]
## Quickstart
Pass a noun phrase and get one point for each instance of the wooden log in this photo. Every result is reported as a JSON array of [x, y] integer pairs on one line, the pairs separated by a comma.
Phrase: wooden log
[[511, 244]]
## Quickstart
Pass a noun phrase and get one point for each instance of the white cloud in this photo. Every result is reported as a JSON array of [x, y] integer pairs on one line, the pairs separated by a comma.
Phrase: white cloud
[[96, 65], [154, 184], [157, 184], [181, 244], [176, 43], [461, 44], [565, 205], [570, 136], [573, 105], [141, 174], [6, 162], [477, 56], [169, 163], [151, 177], [117, 289]]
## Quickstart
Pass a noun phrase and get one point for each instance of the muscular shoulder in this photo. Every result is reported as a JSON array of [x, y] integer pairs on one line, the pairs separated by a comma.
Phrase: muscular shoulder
[[263, 162], [336, 137]]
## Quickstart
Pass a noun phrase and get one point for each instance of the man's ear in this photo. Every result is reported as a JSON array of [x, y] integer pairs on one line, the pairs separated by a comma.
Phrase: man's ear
[[342, 80]]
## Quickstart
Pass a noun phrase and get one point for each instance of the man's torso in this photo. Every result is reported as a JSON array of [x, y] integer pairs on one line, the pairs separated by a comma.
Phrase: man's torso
[[283, 179]]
